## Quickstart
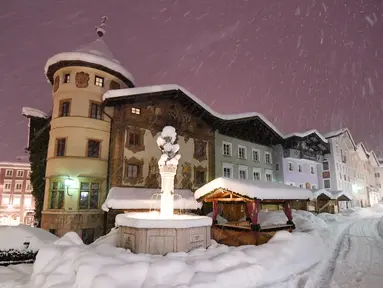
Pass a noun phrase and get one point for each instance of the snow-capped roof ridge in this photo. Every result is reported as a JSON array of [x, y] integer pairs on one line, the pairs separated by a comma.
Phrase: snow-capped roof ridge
[[166, 87], [33, 112], [99, 48], [306, 133], [96, 52], [336, 133]]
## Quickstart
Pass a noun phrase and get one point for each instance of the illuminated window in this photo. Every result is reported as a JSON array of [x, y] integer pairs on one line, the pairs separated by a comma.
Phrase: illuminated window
[[57, 195], [89, 195], [66, 78], [99, 81], [136, 111]]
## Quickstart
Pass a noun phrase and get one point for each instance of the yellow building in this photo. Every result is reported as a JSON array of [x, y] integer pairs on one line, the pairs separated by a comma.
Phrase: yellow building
[[77, 161]]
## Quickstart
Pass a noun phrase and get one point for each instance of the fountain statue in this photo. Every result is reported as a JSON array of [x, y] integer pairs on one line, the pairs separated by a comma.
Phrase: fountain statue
[[153, 233], [168, 168]]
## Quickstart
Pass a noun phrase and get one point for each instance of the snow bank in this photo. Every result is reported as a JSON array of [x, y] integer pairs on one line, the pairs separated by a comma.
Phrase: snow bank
[[14, 237], [218, 266]]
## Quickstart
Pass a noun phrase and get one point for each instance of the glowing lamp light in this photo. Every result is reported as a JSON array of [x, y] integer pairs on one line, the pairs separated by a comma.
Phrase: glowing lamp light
[[69, 182]]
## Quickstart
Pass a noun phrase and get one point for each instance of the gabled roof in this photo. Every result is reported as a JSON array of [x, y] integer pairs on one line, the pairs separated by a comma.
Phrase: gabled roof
[[225, 123], [360, 147], [250, 189], [306, 134], [332, 195], [337, 133], [312, 138], [162, 88], [95, 55], [375, 158]]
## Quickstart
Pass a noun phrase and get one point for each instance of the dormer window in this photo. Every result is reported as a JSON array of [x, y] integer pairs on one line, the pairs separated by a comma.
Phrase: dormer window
[[67, 78], [99, 81]]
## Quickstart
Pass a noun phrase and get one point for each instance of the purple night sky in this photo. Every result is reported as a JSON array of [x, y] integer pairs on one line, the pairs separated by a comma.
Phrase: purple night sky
[[303, 64]]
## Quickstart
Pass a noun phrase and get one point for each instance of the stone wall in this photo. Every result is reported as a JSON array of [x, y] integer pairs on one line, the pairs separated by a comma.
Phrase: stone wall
[[61, 223]]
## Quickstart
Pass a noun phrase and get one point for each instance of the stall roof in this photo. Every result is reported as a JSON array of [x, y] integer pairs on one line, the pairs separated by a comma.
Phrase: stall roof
[[146, 198], [251, 189], [333, 195]]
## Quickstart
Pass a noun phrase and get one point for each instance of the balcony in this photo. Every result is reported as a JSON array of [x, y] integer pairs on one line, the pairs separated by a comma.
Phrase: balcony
[[302, 154]]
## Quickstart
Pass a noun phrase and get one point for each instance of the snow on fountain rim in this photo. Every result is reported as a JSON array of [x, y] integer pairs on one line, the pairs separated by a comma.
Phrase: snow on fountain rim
[[153, 220]]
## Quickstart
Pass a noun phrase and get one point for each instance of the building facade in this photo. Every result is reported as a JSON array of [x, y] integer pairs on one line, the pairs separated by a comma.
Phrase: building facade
[[299, 160], [78, 150], [16, 200], [379, 178], [350, 168], [240, 159]]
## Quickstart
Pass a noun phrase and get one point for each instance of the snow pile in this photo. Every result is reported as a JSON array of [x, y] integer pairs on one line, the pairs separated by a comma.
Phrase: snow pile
[[147, 198], [14, 237], [78, 265], [110, 239], [166, 143], [303, 220]]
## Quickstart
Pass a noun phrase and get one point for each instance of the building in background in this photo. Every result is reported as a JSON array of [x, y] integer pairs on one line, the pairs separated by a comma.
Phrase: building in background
[[299, 160], [246, 155], [379, 178], [16, 200]]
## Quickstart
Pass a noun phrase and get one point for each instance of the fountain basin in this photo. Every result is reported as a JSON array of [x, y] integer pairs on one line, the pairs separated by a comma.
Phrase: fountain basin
[[149, 233]]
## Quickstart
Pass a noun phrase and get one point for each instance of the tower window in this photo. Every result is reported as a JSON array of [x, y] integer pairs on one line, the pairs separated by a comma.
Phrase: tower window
[[60, 147], [94, 148], [66, 78], [95, 111], [99, 81], [89, 195], [64, 108], [136, 111]]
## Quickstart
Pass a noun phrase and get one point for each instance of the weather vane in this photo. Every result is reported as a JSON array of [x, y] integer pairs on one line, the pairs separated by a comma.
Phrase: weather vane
[[100, 29]]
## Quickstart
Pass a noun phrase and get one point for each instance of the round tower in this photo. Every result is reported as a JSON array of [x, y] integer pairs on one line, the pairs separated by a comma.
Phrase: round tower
[[77, 160]]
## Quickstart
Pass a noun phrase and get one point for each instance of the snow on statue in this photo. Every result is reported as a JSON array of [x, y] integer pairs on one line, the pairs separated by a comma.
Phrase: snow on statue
[[165, 142]]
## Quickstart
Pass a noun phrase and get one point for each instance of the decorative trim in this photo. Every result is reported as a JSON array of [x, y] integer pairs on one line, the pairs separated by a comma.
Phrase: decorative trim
[[200, 148], [140, 164], [117, 146], [186, 182], [56, 83], [199, 168], [133, 130], [82, 79], [152, 180]]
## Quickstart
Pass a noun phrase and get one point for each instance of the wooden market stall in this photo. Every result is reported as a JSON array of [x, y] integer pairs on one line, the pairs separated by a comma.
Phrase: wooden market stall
[[251, 195], [326, 201]]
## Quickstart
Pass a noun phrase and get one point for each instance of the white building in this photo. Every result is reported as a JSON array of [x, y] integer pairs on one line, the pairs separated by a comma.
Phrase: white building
[[379, 178], [350, 168]]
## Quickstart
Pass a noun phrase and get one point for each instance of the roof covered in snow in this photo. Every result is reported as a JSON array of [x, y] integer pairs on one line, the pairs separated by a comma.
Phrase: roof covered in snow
[[124, 93], [331, 194], [32, 112], [254, 189], [96, 55], [147, 198], [339, 132], [307, 133]]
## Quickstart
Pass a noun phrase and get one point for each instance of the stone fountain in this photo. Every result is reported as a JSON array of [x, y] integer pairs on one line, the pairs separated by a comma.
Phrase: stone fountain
[[164, 232]]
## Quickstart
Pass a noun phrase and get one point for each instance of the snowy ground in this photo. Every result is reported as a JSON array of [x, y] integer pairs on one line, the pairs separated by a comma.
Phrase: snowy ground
[[329, 251]]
